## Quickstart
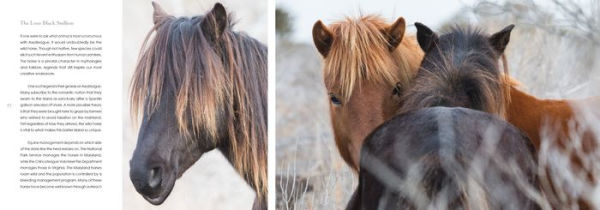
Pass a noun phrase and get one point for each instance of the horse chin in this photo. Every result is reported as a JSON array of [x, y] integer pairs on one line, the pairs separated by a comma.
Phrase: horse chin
[[161, 197]]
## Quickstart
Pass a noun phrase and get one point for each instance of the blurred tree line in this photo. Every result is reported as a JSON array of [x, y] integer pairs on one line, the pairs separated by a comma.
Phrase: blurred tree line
[[283, 23]]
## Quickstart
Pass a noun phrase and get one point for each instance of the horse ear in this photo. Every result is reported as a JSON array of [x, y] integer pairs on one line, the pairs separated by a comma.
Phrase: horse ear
[[500, 39], [159, 13], [395, 33], [322, 37], [215, 22], [426, 37]]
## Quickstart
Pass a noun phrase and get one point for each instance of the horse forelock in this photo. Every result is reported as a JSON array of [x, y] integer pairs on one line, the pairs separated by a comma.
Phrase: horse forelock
[[213, 85], [360, 53]]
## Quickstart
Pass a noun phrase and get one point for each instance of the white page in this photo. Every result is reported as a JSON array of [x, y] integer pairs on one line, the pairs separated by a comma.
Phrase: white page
[[100, 18]]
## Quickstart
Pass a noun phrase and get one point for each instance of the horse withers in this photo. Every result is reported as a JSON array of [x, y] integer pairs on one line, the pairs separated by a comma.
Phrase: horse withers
[[200, 86]]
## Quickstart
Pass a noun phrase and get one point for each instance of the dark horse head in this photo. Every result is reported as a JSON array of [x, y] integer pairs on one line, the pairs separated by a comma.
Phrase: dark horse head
[[460, 69], [200, 86]]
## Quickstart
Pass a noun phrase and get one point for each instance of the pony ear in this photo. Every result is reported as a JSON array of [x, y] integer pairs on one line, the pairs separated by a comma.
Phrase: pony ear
[[426, 37], [215, 22], [500, 39], [322, 37], [395, 33], [159, 13]]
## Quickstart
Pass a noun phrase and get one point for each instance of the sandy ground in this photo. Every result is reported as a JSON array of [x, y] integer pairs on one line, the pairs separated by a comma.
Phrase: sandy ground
[[211, 183]]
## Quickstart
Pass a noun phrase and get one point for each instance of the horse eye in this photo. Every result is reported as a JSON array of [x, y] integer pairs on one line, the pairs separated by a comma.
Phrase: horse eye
[[334, 100], [396, 90]]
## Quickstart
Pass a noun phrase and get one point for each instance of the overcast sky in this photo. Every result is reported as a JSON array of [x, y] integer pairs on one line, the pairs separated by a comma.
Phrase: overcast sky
[[307, 12]]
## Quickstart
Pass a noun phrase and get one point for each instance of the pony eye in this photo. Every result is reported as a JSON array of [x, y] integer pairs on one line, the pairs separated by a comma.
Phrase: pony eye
[[334, 100], [396, 90]]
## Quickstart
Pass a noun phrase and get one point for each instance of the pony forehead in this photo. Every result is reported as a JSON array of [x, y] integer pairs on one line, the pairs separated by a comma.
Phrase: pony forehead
[[359, 52], [466, 37], [463, 46]]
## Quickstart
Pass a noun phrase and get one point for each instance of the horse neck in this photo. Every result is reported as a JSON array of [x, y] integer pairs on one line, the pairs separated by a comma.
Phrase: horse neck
[[248, 174], [244, 142], [530, 113], [225, 149]]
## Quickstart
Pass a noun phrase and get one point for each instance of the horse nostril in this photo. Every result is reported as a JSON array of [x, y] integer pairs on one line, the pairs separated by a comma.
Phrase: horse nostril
[[155, 177]]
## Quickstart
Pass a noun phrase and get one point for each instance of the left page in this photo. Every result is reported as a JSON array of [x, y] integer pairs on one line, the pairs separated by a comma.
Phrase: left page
[[61, 104]]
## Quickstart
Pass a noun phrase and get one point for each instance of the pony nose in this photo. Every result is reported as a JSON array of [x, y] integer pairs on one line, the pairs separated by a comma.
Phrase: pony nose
[[148, 178], [155, 177]]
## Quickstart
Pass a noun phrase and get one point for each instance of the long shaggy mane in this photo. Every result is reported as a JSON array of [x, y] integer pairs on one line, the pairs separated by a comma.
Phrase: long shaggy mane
[[220, 88]]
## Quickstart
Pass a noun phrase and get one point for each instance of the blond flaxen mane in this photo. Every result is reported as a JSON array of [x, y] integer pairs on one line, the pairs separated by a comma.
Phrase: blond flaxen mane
[[360, 52]]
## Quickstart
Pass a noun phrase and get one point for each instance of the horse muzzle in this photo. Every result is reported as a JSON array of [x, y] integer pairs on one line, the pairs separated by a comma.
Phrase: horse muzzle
[[154, 182]]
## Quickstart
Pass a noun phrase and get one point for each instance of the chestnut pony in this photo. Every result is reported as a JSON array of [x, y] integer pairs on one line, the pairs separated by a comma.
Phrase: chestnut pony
[[559, 124], [532, 114], [363, 59]]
